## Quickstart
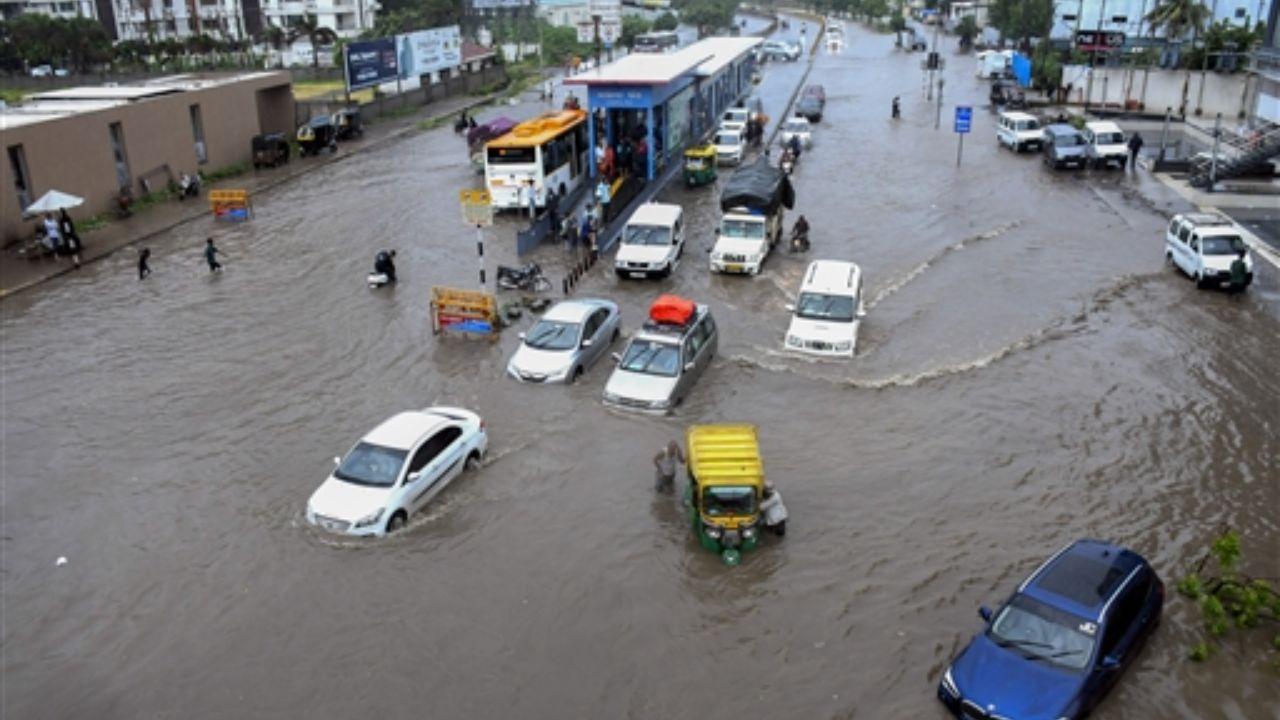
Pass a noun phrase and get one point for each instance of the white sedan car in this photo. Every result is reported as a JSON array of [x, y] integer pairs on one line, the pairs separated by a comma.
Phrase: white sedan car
[[798, 127], [729, 146], [396, 469]]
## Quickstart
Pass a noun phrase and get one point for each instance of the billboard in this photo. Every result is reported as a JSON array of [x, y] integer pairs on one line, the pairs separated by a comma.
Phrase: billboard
[[370, 62], [609, 32], [427, 51], [1099, 40]]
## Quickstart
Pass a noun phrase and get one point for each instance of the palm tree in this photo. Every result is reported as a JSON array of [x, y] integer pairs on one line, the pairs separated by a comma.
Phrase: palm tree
[[1176, 17], [310, 27]]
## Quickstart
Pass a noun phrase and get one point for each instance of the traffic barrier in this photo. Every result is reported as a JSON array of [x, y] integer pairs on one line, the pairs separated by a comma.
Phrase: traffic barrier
[[466, 311], [230, 204]]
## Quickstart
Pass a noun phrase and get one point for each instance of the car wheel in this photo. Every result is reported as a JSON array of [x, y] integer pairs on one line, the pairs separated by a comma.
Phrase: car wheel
[[473, 462], [576, 375], [617, 333], [1199, 278], [397, 522]]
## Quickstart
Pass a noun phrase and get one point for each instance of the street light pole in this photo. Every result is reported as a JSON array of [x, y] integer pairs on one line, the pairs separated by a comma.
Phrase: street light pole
[[1204, 64]]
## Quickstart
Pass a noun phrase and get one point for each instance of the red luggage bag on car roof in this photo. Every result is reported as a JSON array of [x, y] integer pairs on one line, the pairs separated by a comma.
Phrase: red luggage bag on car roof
[[671, 309]]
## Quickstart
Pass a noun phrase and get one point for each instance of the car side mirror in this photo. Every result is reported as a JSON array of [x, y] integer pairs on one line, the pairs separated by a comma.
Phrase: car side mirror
[[688, 366], [413, 476], [337, 460], [587, 343], [617, 357], [984, 612], [791, 307], [1109, 662]]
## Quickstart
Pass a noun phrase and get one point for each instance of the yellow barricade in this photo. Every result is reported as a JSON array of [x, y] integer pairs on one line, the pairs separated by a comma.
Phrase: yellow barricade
[[230, 204], [469, 311]]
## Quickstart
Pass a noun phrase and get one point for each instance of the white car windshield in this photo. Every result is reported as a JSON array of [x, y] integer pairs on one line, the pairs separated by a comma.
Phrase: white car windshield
[[743, 229], [1110, 138], [651, 358], [552, 335], [1029, 125], [796, 127], [816, 306], [1041, 632], [369, 464], [722, 501], [646, 235], [1068, 140], [727, 139], [1222, 245]]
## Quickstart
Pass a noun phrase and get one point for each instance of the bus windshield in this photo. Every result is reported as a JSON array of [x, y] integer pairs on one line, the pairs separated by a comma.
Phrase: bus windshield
[[656, 42], [512, 155]]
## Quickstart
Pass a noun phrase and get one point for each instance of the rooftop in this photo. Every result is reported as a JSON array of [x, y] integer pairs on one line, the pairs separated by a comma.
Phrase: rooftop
[[705, 57]]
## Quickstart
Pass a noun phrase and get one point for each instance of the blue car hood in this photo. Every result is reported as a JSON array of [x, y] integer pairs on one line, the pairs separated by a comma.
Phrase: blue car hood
[[1020, 689]]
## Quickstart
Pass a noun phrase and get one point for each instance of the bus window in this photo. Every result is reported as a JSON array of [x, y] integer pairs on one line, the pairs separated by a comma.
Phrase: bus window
[[512, 155]]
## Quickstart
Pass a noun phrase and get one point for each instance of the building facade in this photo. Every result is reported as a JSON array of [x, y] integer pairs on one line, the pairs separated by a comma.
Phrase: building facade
[[52, 8], [1266, 65], [1129, 16], [565, 13], [96, 142]]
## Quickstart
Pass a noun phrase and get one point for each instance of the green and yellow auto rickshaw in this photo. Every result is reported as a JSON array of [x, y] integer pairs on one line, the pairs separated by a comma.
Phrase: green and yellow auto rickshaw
[[700, 165], [726, 484]]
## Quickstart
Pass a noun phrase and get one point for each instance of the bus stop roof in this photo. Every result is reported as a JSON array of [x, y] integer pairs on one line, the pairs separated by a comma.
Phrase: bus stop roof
[[724, 50], [705, 57]]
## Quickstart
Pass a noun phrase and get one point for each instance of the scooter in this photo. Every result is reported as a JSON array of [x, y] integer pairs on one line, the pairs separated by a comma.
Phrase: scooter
[[526, 277], [799, 241], [377, 280]]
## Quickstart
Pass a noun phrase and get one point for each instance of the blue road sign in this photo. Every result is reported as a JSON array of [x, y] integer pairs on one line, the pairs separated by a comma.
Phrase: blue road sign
[[964, 118]]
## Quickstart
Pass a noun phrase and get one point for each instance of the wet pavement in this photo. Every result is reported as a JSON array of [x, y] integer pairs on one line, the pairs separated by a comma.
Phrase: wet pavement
[[1029, 372]]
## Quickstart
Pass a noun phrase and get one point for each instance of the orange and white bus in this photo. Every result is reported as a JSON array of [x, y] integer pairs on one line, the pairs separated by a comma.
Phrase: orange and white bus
[[551, 150]]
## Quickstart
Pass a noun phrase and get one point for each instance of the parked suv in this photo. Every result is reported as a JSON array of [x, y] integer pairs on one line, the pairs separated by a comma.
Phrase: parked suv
[[1203, 245], [652, 242], [1019, 131], [778, 50], [827, 310], [662, 362], [729, 146], [1061, 641], [1106, 144], [1064, 146]]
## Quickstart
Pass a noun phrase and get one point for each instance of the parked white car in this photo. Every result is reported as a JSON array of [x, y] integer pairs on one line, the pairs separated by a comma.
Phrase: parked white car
[[1019, 131], [42, 71], [798, 127], [1106, 144], [729, 146], [396, 469], [1204, 245], [652, 242], [735, 118], [565, 342], [827, 311]]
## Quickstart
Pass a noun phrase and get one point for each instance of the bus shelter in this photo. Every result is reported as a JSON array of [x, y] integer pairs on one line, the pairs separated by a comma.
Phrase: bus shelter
[[648, 108]]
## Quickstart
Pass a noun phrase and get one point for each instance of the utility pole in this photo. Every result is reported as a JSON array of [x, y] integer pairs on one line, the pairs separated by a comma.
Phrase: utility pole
[[937, 118], [1204, 64], [934, 60], [1093, 55], [1213, 160], [595, 22]]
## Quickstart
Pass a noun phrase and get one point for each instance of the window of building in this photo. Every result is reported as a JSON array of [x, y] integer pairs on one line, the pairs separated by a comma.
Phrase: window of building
[[1240, 12], [123, 178], [21, 181], [197, 133]]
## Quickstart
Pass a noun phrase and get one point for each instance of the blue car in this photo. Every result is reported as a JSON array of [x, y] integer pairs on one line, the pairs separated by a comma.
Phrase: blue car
[[1055, 648]]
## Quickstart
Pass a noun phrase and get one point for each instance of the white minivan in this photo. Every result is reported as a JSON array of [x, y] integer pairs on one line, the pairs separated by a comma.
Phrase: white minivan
[[1106, 144], [1019, 131], [652, 242], [1204, 245], [827, 311]]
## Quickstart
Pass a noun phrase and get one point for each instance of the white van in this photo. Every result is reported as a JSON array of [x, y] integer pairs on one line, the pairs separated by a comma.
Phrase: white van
[[1106, 144], [652, 242], [1019, 131], [1204, 245], [827, 311]]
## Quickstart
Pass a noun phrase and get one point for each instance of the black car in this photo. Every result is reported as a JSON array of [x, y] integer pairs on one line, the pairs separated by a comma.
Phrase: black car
[[810, 106]]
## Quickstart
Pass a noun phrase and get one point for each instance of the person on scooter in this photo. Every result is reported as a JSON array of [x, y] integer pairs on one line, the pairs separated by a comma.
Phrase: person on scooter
[[800, 234], [385, 264], [794, 146]]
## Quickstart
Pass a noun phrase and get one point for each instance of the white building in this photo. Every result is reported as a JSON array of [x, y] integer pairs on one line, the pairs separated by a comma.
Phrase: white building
[[53, 8], [348, 18], [1129, 16], [234, 19], [565, 13]]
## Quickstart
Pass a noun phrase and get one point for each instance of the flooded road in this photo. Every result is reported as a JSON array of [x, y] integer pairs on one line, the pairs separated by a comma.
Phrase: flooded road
[[1029, 372]]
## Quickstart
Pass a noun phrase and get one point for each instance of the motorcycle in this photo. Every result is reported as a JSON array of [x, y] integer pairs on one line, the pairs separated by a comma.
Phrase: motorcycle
[[377, 279], [799, 240], [461, 125], [525, 277]]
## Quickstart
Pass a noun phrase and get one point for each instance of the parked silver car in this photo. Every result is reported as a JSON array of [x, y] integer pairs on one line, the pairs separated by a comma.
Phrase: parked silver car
[[565, 342], [661, 363]]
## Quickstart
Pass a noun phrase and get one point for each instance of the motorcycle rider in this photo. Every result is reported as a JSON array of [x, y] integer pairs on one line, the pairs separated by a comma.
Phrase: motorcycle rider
[[794, 146], [800, 234], [385, 265]]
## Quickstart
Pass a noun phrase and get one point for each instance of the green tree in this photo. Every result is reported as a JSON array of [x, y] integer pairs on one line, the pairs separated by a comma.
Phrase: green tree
[[875, 9], [316, 33], [1022, 19], [1046, 68], [967, 30], [34, 38], [1178, 18], [633, 25], [897, 24], [666, 21], [561, 43], [1230, 599], [87, 43]]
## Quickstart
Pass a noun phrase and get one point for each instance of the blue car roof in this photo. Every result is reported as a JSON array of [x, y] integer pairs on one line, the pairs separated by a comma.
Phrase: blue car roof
[[1083, 577]]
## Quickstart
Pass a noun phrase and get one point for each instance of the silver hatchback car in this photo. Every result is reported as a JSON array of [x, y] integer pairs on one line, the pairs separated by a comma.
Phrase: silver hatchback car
[[661, 363], [568, 339]]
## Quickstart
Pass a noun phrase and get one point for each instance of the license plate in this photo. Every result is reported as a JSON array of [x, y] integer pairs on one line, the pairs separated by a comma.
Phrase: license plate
[[638, 274], [333, 525], [733, 267]]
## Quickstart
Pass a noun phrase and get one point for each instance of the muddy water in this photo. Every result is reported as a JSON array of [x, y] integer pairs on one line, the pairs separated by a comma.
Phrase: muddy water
[[1029, 372]]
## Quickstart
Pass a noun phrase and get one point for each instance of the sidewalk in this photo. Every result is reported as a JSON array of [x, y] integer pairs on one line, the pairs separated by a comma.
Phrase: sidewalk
[[17, 274]]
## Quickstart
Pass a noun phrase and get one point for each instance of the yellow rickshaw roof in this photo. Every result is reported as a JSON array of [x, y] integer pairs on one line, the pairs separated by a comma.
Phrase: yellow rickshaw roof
[[701, 151], [725, 455]]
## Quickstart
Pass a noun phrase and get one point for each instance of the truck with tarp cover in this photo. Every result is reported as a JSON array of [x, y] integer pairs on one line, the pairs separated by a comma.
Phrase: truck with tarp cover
[[754, 202]]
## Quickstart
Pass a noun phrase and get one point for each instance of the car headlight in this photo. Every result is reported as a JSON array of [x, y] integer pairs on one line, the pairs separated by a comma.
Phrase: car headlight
[[712, 532], [755, 257], [844, 346], [949, 684], [558, 375], [660, 404], [610, 397], [370, 519], [749, 533], [794, 341]]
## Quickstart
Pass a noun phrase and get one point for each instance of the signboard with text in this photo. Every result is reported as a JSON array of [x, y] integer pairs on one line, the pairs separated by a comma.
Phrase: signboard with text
[[610, 32], [427, 51], [371, 62], [1099, 40], [964, 118]]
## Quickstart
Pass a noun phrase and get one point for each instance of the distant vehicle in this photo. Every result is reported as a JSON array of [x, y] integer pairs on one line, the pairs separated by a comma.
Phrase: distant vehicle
[[779, 50], [565, 342], [810, 107], [42, 71], [396, 469], [994, 64], [797, 127], [1019, 131], [656, 42], [548, 150], [664, 358], [1061, 641], [316, 135], [652, 242], [1203, 245], [735, 118], [729, 146], [1064, 146], [61, 72], [1106, 144], [827, 310], [814, 91], [269, 150], [348, 123]]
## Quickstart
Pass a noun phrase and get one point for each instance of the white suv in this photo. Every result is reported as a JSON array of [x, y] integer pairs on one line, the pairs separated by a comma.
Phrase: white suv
[[1106, 144], [828, 310], [1019, 131], [729, 147], [1204, 245], [652, 242]]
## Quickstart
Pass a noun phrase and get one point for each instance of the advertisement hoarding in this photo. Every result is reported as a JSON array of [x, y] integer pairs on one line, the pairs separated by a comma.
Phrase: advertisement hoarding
[[427, 51], [1099, 40], [609, 32], [370, 62]]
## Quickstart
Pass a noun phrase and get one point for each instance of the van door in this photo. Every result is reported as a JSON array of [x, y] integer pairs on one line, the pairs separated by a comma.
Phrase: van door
[[677, 239], [1182, 248]]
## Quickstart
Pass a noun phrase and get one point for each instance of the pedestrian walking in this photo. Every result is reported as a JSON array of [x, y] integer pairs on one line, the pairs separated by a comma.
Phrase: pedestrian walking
[[211, 255], [143, 269], [897, 107], [70, 240], [531, 197], [1239, 273], [664, 464], [553, 212], [1135, 147], [52, 236]]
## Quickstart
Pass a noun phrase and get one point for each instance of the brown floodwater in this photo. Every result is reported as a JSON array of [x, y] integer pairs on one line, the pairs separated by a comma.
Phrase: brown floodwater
[[1030, 372]]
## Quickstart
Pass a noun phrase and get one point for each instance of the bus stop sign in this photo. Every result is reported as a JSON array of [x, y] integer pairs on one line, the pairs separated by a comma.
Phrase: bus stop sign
[[964, 118]]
